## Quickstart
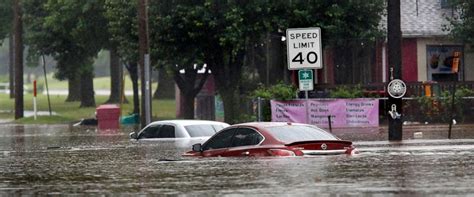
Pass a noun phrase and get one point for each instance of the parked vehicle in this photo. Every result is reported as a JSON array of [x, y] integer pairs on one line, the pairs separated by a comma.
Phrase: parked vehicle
[[271, 139], [179, 129]]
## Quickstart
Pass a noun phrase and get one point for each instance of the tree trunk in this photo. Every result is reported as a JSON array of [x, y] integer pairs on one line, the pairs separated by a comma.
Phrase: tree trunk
[[74, 88], [87, 89], [231, 103], [187, 102], [132, 70], [165, 88], [115, 78], [190, 84], [12, 66]]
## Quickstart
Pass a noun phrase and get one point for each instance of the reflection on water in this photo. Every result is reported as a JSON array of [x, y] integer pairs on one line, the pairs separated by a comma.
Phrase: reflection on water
[[42, 160]]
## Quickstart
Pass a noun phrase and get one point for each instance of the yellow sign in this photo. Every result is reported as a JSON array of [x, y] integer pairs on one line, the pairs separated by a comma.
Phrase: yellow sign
[[456, 56]]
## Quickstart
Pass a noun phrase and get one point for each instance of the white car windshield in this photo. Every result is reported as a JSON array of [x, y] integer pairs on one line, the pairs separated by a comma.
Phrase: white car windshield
[[202, 130], [296, 133]]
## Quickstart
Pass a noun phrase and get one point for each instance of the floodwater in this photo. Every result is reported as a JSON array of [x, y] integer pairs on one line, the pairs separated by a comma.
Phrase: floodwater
[[61, 160]]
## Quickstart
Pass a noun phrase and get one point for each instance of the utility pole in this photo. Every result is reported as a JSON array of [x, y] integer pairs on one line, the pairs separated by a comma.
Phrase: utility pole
[[395, 63], [18, 50], [144, 63]]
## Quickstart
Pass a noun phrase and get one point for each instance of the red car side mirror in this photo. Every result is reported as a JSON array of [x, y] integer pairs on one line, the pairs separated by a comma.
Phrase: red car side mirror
[[197, 147]]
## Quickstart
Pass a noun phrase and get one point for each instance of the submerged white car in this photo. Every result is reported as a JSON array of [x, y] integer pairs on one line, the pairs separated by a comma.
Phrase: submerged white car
[[186, 129]]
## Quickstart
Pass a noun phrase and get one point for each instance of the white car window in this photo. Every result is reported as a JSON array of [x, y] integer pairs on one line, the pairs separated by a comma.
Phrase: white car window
[[202, 130], [158, 131]]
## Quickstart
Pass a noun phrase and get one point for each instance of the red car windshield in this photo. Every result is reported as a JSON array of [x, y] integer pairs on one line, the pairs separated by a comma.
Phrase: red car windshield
[[296, 133]]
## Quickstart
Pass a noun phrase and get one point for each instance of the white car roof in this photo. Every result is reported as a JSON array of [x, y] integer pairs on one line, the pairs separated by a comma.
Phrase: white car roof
[[189, 122]]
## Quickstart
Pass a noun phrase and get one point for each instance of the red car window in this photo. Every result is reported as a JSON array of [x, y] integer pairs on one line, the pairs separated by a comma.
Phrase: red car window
[[246, 137], [220, 140], [295, 133]]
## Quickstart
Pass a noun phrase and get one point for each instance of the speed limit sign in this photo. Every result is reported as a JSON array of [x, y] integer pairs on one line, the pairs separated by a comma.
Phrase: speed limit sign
[[304, 48]]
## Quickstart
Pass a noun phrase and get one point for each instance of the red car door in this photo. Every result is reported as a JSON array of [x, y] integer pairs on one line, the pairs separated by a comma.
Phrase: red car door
[[245, 142], [218, 144]]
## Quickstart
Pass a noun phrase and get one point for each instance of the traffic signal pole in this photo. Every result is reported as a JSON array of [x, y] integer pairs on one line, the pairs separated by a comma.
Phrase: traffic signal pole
[[396, 87]]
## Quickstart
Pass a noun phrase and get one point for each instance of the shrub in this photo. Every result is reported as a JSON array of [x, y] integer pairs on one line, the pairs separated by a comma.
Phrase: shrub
[[459, 103], [279, 91], [347, 92]]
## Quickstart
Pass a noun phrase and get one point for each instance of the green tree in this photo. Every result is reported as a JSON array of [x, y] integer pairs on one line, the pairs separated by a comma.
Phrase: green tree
[[166, 19], [222, 32], [123, 28], [6, 18], [176, 41], [72, 32], [462, 25]]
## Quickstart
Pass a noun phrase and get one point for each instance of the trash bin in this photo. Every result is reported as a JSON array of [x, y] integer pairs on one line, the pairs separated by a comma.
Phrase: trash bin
[[130, 119], [431, 89], [108, 117]]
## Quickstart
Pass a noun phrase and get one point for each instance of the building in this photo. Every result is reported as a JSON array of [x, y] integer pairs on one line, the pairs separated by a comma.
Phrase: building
[[427, 51]]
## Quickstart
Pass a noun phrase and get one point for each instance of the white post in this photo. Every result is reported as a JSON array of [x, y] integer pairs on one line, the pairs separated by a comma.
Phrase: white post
[[34, 106]]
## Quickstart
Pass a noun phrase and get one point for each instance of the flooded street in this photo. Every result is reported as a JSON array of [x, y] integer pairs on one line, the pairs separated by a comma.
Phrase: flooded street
[[61, 160]]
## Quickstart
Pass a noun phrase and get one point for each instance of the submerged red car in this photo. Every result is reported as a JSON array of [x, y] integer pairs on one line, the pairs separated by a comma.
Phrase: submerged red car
[[271, 139]]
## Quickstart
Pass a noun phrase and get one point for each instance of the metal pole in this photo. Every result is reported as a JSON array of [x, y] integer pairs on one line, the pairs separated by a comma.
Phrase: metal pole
[[147, 89], [330, 123], [452, 110], [259, 113], [46, 84], [307, 107]]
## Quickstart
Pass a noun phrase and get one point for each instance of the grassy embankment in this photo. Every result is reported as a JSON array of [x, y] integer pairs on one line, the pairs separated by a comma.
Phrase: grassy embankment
[[68, 112]]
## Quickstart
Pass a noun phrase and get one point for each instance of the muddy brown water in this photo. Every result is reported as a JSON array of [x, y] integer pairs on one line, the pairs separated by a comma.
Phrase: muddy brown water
[[63, 160]]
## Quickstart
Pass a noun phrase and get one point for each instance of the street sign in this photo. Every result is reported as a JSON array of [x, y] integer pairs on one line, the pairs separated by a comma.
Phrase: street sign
[[304, 48], [306, 81]]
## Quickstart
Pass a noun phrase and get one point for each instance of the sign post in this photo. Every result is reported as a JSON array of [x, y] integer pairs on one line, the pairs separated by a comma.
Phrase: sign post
[[304, 53], [455, 70], [306, 82]]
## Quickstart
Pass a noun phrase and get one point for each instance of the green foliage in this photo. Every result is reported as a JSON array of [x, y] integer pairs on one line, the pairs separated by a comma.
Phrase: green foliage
[[459, 103], [123, 27], [430, 106], [462, 25], [73, 32], [347, 92], [438, 109], [6, 18], [279, 91]]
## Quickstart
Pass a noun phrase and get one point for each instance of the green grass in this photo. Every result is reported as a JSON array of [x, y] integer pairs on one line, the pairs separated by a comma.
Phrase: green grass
[[68, 112]]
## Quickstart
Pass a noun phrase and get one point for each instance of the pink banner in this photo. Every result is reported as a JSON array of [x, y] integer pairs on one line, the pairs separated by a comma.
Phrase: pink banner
[[343, 112]]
